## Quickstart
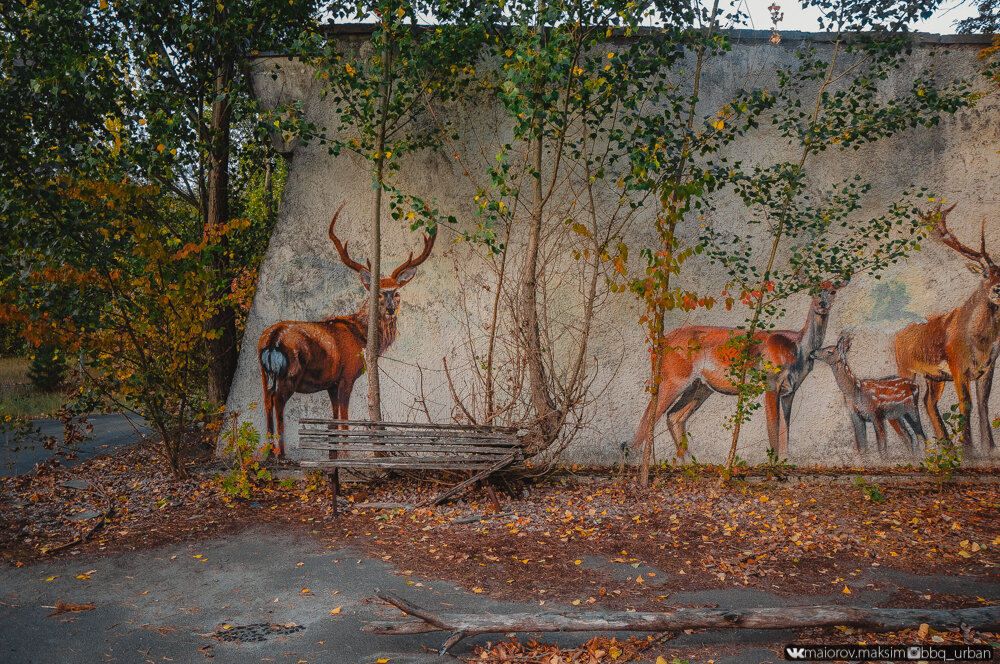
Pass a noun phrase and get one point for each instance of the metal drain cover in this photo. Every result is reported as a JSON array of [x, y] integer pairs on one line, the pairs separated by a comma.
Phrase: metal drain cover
[[255, 632]]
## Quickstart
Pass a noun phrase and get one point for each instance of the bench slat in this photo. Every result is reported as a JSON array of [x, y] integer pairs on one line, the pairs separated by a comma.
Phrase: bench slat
[[412, 462], [406, 448], [413, 425], [433, 435]]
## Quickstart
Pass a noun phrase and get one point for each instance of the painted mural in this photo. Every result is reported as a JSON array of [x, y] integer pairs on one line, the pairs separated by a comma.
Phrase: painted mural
[[961, 345], [699, 362], [303, 357], [891, 400]]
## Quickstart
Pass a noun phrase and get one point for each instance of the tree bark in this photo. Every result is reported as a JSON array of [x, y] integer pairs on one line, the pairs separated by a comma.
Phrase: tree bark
[[985, 618], [222, 348], [374, 312], [538, 386]]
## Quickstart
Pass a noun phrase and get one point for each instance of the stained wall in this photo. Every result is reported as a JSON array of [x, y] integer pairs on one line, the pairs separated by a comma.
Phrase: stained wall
[[303, 279]]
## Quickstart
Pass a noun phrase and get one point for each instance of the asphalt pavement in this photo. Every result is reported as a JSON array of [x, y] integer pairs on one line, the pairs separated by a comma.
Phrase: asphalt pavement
[[110, 432], [269, 595]]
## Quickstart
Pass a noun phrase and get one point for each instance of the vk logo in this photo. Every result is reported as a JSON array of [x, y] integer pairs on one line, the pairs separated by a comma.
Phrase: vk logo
[[795, 653]]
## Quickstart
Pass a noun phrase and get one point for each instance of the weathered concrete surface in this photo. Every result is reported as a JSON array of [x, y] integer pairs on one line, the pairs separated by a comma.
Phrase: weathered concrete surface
[[160, 605], [302, 278]]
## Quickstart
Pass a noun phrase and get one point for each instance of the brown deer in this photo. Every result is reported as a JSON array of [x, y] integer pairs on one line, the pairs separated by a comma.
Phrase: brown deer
[[699, 360], [961, 345], [875, 400], [306, 357]]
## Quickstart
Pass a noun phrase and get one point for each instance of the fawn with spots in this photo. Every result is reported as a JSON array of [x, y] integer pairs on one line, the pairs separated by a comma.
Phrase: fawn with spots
[[876, 400]]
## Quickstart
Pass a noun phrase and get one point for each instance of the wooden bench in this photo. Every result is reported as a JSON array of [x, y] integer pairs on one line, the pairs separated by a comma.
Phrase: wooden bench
[[480, 450]]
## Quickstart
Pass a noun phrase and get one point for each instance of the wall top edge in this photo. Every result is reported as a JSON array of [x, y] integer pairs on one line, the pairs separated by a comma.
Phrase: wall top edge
[[331, 30], [336, 29]]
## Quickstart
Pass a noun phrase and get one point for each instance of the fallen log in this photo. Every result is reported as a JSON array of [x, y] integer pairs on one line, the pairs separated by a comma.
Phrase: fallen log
[[983, 618]]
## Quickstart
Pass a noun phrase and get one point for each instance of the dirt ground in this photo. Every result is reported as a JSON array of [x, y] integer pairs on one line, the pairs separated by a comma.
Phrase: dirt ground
[[584, 537]]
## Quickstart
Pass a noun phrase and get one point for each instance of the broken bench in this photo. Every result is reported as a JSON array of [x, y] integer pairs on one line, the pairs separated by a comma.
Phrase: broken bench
[[480, 450]]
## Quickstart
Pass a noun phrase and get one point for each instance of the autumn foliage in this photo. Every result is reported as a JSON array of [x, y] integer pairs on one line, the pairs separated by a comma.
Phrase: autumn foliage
[[134, 308]]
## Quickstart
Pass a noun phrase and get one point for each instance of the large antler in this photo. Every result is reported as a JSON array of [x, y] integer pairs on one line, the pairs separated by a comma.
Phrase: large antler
[[414, 262], [342, 246], [940, 219]]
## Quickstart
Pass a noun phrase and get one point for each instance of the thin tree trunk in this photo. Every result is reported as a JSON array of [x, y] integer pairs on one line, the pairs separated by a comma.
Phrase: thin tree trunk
[[374, 312], [269, 210], [222, 346], [983, 618], [538, 386]]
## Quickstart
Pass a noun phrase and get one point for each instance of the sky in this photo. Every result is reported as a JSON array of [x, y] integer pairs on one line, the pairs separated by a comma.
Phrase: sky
[[798, 19]]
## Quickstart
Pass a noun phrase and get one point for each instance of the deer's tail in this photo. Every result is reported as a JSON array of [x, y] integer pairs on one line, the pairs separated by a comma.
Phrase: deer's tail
[[274, 363]]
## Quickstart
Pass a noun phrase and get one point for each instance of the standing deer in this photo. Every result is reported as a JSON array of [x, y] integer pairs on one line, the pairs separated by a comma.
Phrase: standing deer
[[875, 400], [699, 360], [306, 357], [960, 345]]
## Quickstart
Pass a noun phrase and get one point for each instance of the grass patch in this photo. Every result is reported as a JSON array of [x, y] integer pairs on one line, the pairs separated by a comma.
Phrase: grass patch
[[14, 370], [18, 397]]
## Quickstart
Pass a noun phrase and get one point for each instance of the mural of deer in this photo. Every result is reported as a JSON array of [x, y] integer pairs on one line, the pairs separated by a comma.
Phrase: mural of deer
[[875, 400], [698, 364], [961, 345], [306, 357]]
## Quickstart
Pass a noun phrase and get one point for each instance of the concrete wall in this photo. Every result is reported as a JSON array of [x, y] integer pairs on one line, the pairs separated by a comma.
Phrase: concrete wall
[[303, 279]]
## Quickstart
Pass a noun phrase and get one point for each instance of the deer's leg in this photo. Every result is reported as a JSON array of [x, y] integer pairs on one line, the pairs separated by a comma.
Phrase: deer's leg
[[860, 433], [667, 395], [984, 385], [911, 422], [963, 388], [784, 421], [269, 414], [685, 407], [880, 442], [931, 398], [278, 402], [777, 439]]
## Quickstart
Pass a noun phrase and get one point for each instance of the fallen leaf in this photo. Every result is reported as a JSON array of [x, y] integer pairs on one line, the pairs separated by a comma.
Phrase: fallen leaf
[[846, 590], [62, 607], [336, 611], [924, 630]]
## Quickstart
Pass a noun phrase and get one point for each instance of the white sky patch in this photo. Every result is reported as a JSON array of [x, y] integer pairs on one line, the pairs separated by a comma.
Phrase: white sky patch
[[797, 18]]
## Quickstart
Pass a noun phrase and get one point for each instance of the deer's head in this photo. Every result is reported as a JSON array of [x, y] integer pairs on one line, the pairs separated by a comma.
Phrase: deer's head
[[833, 354], [982, 264], [826, 292], [388, 297]]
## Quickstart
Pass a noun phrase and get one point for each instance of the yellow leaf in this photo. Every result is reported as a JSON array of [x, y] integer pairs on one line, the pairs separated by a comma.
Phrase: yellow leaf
[[575, 602], [305, 590], [52, 578], [336, 611], [660, 660], [478, 591], [846, 590], [383, 660], [965, 554], [83, 576], [577, 562], [400, 12], [104, 5], [615, 652], [161, 147], [719, 124]]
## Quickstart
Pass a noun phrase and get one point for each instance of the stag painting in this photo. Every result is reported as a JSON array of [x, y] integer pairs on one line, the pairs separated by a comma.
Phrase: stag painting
[[699, 361], [305, 357], [961, 345], [875, 400]]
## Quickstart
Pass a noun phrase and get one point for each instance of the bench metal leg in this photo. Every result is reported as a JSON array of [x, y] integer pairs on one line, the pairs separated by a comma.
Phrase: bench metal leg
[[492, 494]]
